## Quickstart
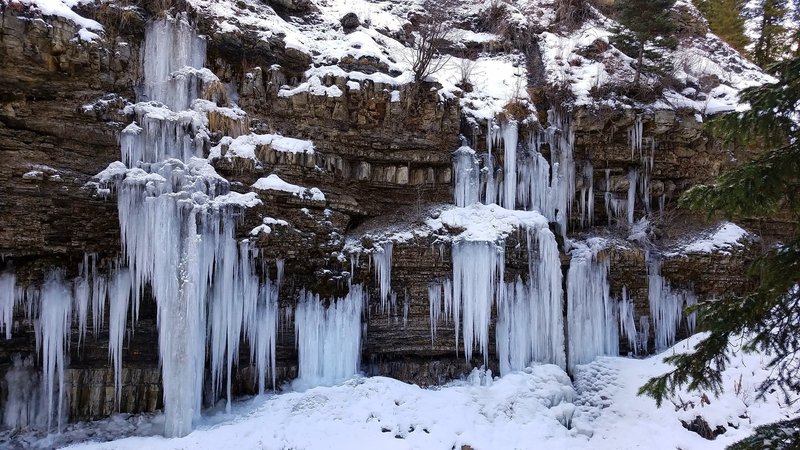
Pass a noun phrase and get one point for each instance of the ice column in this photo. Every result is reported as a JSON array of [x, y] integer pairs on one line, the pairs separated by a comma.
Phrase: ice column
[[467, 177], [25, 405], [434, 306], [328, 339], [52, 338], [633, 177], [509, 133], [666, 305], [529, 324], [120, 290], [627, 322], [477, 267], [382, 261], [591, 315], [7, 301], [587, 195]]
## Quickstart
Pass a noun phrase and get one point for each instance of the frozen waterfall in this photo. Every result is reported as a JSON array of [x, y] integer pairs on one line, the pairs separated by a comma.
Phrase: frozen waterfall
[[328, 339]]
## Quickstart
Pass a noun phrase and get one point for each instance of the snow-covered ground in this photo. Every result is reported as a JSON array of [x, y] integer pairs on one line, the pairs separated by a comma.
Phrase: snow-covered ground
[[535, 408]]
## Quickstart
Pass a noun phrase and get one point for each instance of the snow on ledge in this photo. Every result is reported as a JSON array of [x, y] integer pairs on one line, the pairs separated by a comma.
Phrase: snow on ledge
[[245, 146], [490, 223], [724, 239], [275, 183], [63, 8], [247, 200]]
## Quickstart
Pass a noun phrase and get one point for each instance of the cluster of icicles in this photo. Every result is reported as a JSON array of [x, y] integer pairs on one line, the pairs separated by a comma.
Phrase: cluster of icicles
[[530, 327], [177, 218]]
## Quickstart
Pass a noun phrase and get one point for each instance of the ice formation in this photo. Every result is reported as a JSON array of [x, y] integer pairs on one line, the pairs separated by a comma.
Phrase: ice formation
[[52, 337], [328, 339], [25, 404], [467, 177], [506, 134], [381, 258], [7, 301], [666, 305], [591, 313], [529, 323], [627, 321], [477, 268]]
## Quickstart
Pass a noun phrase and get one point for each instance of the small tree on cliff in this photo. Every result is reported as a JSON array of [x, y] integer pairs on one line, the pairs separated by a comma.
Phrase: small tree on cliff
[[768, 318], [432, 29], [649, 22]]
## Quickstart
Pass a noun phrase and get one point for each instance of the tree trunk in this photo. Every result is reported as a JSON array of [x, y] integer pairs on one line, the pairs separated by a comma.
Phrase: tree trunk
[[639, 63]]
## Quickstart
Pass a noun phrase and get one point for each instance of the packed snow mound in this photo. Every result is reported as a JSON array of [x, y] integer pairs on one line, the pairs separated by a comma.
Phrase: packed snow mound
[[535, 408]]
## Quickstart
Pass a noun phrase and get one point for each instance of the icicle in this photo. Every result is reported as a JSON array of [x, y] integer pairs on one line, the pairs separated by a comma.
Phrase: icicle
[[529, 324], [510, 133], [120, 293], [633, 176], [99, 290], [477, 266], [608, 197], [591, 316], [382, 260], [467, 179], [587, 195], [434, 307], [561, 138], [666, 305], [279, 265], [535, 187], [81, 294], [489, 183], [635, 136], [7, 301], [328, 339], [627, 323], [52, 336], [263, 334]]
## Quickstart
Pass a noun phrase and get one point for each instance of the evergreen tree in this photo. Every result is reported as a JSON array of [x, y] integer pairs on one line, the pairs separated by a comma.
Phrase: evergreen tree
[[768, 317], [726, 20], [771, 44], [649, 21]]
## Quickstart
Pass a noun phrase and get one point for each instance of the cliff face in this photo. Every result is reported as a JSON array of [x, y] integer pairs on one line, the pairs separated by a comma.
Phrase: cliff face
[[383, 160]]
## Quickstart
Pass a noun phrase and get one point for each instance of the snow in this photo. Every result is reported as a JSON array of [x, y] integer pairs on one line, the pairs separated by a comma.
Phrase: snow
[[534, 408], [63, 8], [313, 86], [725, 238], [487, 223], [275, 183], [245, 146]]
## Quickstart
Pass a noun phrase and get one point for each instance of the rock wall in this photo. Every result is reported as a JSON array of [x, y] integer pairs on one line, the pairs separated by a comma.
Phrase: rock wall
[[379, 160]]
